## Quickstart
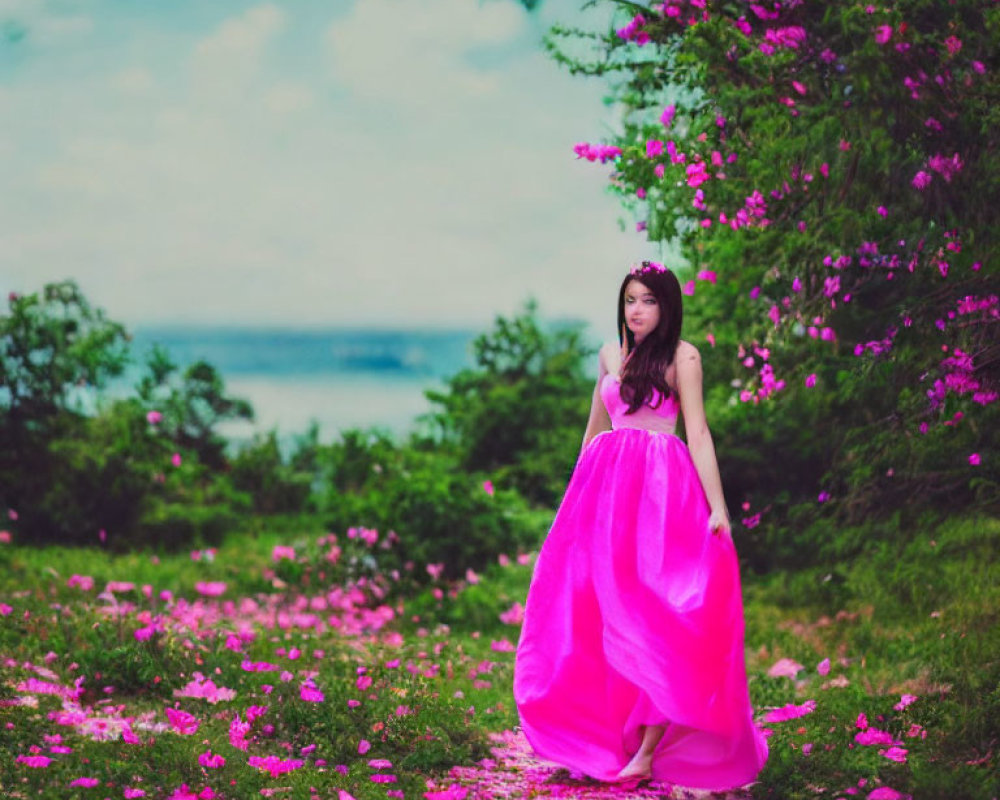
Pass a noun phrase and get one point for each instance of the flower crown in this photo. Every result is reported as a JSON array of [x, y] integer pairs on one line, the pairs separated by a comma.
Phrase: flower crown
[[645, 267]]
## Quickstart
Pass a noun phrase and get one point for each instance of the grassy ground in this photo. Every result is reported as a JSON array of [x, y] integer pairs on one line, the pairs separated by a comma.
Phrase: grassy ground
[[311, 674]]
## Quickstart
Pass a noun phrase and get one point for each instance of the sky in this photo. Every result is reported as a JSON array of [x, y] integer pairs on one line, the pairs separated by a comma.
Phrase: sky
[[363, 162]]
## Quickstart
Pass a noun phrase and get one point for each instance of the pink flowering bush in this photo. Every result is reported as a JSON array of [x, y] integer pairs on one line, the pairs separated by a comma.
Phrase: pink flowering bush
[[827, 164]]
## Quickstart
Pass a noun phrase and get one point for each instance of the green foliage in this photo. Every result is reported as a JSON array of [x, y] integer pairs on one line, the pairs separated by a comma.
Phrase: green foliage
[[519, 412], [193, 404], [822, 133], [79, 469], [914, 615], [441, 515], [273, 485], [52, 342]]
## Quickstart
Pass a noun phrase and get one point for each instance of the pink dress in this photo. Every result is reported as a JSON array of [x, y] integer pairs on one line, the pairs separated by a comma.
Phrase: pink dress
[[634, 616]]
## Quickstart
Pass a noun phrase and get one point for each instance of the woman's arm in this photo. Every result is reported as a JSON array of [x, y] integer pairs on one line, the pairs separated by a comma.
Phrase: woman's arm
[[599, 420], [699, 437]]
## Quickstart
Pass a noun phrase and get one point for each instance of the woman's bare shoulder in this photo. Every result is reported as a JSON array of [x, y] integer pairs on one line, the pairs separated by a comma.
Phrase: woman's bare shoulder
[[609, 356], [686, 352]]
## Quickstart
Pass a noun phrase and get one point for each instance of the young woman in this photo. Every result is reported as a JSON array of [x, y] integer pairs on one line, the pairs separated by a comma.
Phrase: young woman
[[630, 663]]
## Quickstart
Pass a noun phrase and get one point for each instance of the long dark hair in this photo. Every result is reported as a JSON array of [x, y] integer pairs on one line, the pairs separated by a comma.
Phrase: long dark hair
[[646, 370]]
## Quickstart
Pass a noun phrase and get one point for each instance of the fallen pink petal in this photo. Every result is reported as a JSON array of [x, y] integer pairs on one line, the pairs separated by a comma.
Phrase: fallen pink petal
[[790, 711], [785, 668]]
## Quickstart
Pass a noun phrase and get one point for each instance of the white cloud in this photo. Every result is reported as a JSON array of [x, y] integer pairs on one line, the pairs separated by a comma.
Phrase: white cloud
[[417, 53], [134, 80], [230, 58], [287, 98], [270, 196], [44, 22]]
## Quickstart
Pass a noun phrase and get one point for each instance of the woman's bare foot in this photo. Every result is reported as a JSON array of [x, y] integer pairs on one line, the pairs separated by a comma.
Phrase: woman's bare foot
[[638, 768]]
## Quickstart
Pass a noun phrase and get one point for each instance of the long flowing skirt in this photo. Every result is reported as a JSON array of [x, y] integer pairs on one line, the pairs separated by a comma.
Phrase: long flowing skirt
[[634, 617]]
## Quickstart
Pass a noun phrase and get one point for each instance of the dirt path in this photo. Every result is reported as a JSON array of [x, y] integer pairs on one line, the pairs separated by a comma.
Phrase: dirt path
[[515, 772]]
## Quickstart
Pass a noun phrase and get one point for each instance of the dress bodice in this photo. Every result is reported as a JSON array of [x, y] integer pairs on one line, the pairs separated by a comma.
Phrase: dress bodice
[[662, 419]]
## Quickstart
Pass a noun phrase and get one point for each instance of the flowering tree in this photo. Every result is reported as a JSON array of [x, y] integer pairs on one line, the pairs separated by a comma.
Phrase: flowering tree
[[828, 171]]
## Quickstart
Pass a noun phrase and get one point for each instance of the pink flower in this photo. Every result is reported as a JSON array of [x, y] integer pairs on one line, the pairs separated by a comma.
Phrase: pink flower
[[488, 487], [453, 792], [210, 588], [502, 646], [688, 288], [904, 701], [897, 754], [206, 689], [810, 382], [916, 730], [861, 721], [86, 783], [784, 668], [131, 794], [707, 275], [697, 174], [654, 148], [435, 570], [807, 748], [379, 763], [35, 762], [790, 711], [274, 765], [954, 44], [710, 338], [364, 746], [144, 634], [4, 537], [83, 582], [974, 459], [154, 417], [311, 694], [471, 576], [875, 736], [823, 668], [883, 33], [921, 180], [175, 459], [667, 117], [281, 551], [887, 793], [594, 152], [182, 722], [363, 682], [257, 666], [210, 761], [513, 615]]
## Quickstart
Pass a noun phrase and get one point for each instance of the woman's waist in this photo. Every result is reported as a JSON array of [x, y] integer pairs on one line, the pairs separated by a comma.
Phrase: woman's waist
[[627, 430]]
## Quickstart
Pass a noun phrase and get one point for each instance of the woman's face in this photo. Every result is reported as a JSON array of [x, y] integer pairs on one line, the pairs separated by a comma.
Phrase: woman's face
[[642, 312]]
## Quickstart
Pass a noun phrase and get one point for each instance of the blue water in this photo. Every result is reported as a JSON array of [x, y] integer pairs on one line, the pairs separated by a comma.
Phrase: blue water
[[339, 378]]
